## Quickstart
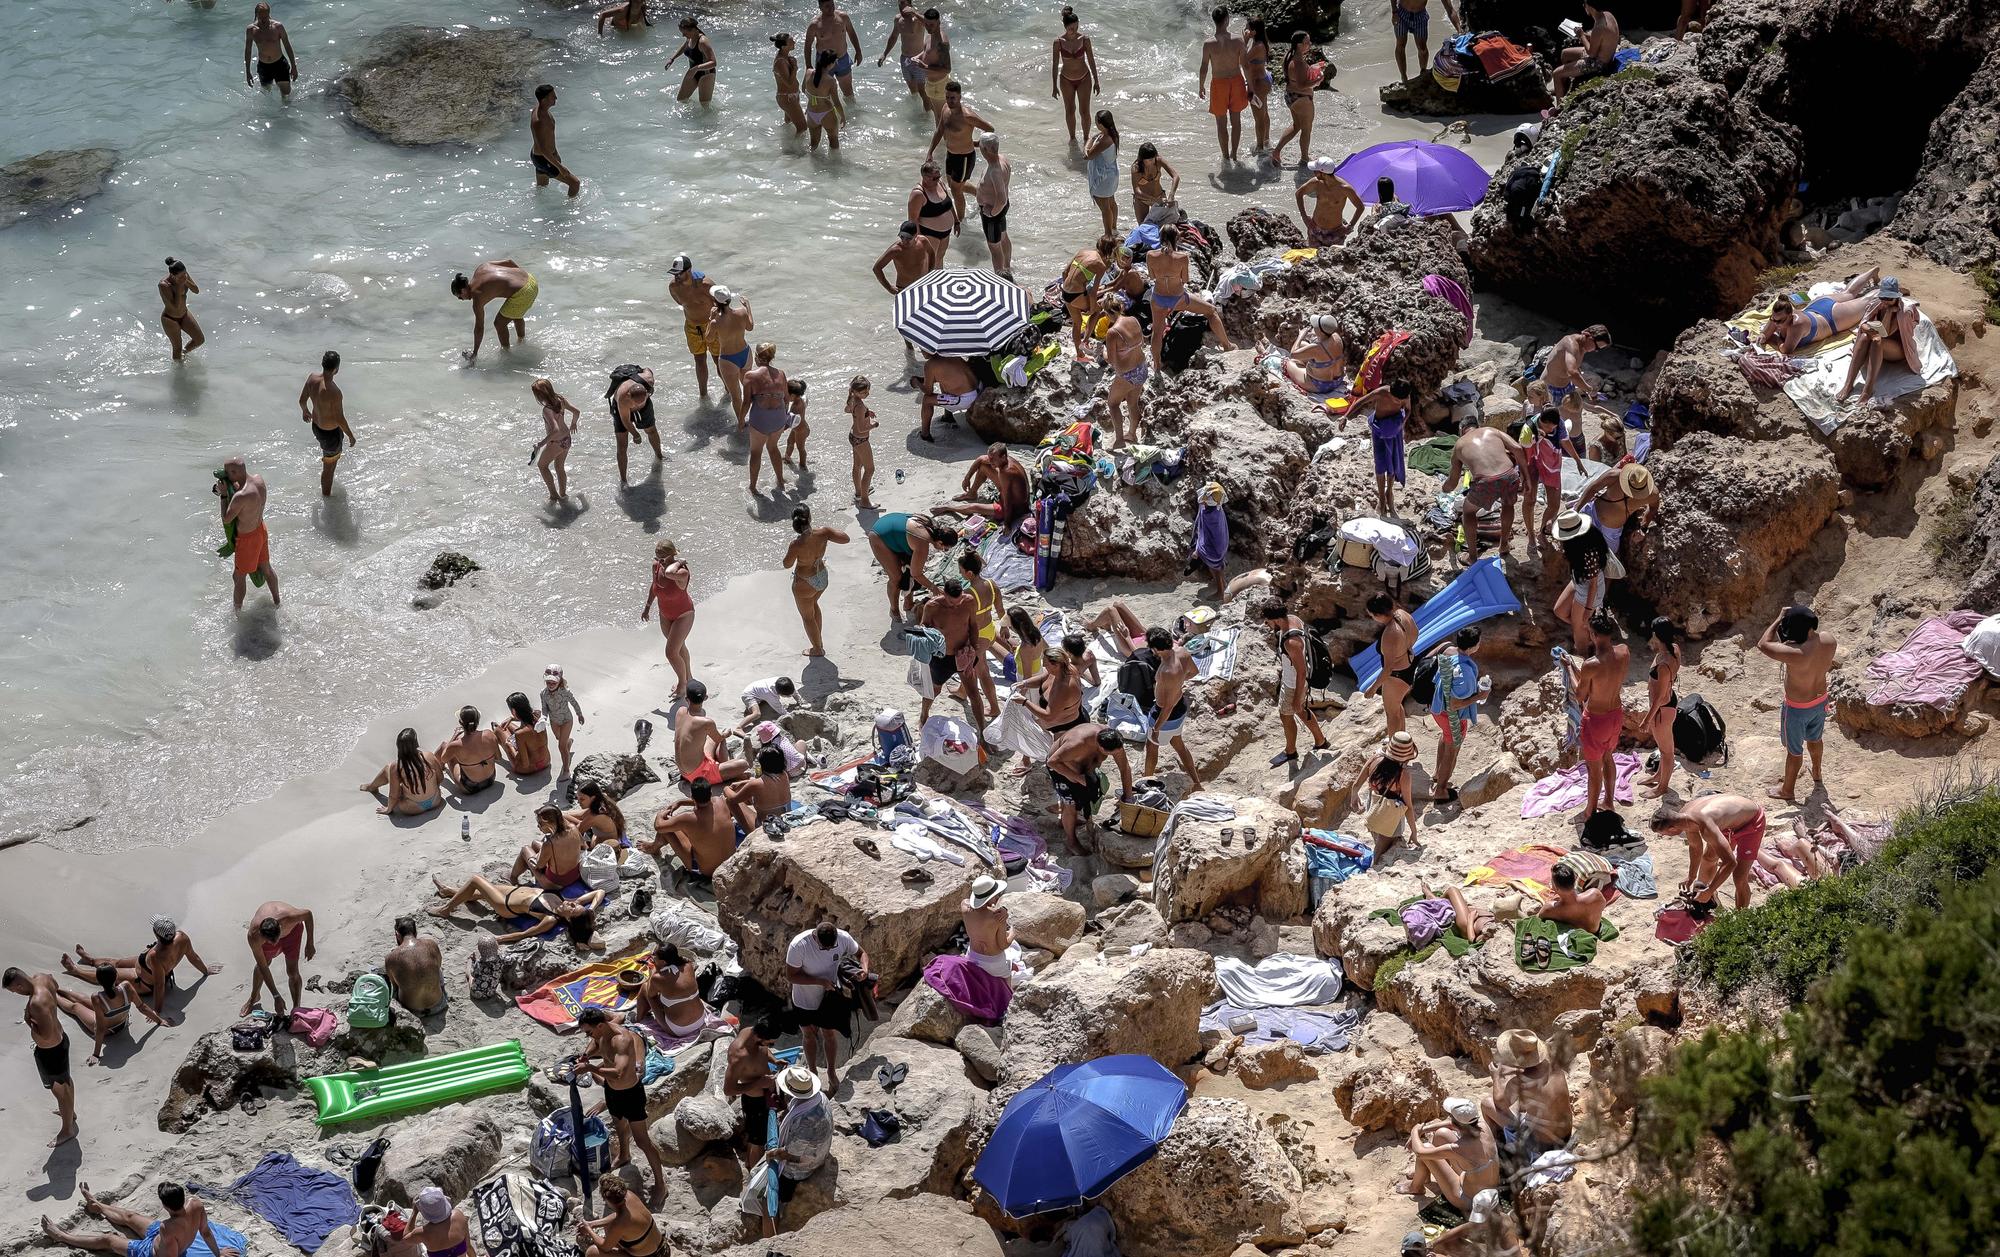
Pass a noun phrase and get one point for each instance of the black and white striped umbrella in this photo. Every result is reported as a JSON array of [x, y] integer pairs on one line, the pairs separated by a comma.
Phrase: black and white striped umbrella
[[961, 312]]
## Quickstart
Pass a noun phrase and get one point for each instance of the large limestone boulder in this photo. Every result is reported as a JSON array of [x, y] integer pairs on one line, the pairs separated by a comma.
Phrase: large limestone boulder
[[1736, 516], [1143, 532], [1259, 469], [1953, 209], [428, 85], [1394, 1092], [942, 1227], [926, 1015], [1023, 416], [49, 182], [214, 1076], [619, 775], [1661, 173], [1699, 390], [1219, 1180], [1088, 1005], [1197, 871], [1345, 929], [938, 1103], [454, 1148], [1045, 920], [769, 891]]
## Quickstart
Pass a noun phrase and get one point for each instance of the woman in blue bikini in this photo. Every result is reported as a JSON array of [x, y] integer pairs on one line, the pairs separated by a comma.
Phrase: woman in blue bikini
[[1792, 329], [806, 556], [413, 780]]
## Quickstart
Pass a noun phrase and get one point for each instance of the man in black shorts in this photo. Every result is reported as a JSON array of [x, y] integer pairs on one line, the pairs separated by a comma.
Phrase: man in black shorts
[[631, 395], [748, 1081], [322, 405], [955, 126], [617, 1057], [1073, 763], [542, 154], [271, 48], [994, 202], [51, 1044]]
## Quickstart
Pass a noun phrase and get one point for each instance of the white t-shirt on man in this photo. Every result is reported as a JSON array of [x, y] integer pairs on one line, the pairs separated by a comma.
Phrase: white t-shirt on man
[[763, 693], [819, 962]]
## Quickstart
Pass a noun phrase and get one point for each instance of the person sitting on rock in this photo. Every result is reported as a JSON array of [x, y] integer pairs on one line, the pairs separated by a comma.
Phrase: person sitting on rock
[[415, 969], [1887, 333], [1583, 909], [1790, 329], [1073, 765], [444, 1231], [698, 829], [1013, 495], [628, 1230], [1596, 53], [1317, 362], [987, 934], [767, 794], [699, 746], [1529, 1107], [1455, 1155]]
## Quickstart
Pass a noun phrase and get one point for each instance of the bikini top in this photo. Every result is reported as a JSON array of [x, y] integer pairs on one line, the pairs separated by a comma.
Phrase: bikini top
[[941, 205], [1067, 55]]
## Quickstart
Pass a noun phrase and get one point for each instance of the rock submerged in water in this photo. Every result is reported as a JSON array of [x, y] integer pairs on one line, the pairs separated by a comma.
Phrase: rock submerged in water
[[47, 182], [428, 85], [447, 569]]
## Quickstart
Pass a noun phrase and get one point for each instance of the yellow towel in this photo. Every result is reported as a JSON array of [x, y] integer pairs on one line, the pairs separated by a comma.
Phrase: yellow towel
[[1751, 321], [1293, 257]]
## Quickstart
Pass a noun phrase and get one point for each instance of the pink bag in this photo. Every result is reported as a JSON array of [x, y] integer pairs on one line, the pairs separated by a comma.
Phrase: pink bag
[[314, 1025]]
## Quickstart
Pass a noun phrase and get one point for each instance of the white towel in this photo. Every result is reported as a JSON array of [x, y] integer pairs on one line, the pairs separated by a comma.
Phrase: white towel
[[1813, 392]]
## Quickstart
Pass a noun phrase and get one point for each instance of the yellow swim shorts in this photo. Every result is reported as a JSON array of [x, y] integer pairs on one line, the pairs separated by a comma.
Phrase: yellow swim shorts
[[517, 305], [934, 90], [697, 339]]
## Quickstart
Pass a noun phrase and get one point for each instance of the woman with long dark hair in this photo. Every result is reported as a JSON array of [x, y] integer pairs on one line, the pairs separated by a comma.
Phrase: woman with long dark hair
[[1301, 76], [1663, 701], [1148, 192], [596, 815], [1100, 164], [413, 781], [1257, 73], [1387, 795], [1073, 73], [524, 746], [471, 753], [823, 108]]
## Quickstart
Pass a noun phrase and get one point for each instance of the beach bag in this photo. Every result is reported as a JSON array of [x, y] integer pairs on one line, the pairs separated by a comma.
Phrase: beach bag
[[1698, 730], [1500, 58], [248, 1036], [1135, 676], [1314, 541], [1606, 829], [1449, 70], [620, 374], [553, 1155], [1356, 553], [314, 1025], [880, 1126], [1463, 399], [1519, 192], [1183, 338], [1424, 682], [1385, 816], [1393, 574], [599, 868], [368, 1002]]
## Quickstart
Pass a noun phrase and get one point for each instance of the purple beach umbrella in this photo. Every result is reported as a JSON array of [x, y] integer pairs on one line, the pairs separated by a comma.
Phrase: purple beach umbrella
[[1429, 178]]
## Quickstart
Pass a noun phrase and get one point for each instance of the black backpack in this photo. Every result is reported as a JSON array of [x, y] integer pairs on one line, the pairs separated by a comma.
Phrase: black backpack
[[619, 375], [1183, 338], [1135, 676], [1520, 192], [1319, 660], [1424, 683], [1314, 541], [1698, 730]]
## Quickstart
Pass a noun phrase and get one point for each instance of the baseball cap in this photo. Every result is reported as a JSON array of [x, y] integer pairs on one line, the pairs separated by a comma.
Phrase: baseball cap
[[722, 295], [907, 229], [681, 263]]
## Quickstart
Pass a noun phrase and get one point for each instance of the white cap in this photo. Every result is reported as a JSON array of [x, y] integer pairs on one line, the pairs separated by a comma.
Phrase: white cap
[[553, 672], [722, 295], [1462, 1111], [1322, 165]]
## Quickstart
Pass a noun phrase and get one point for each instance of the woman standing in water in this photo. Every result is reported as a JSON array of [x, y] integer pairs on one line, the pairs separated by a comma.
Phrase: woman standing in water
[[701, 62], [1257, 73], [1301, 76], [806, 556], [769, 394], [670, 591], [1147, 193], [175, 317], [551, 453], [1073, 74], [785, 68], [1100, 161], [823, 109]]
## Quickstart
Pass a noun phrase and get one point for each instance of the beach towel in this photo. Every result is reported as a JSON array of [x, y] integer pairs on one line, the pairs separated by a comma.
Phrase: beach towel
[[575, 890], [1676, 926], [1530, 862], [1813, 391], [662, 1039], [1453, 943], [969, 988], [1283, 980], [1930, 667], [522, 1217], [1313, 1031], [557, 1002], [1211, 537], [1424, 920], [1636, 878], [1214, 654], [303, 1205], [1564, 791], [1568, 947], [1447, 290], [232, 1241], [1432, 456], [1338, 866], [1017, 730], [1006, 566]]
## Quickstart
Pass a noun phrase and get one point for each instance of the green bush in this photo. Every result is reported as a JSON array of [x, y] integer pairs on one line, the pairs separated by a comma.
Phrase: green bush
[[1869, 1122], [1797, 936]]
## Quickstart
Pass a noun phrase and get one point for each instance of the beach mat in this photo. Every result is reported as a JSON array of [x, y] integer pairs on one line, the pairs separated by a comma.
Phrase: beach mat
[[1478, 593], [1813, 391], [557, 1002]]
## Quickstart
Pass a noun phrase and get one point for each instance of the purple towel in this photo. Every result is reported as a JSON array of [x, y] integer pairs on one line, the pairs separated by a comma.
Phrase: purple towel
[[1448, 290], [305, 1205], [1425, 919], [972, 990], [1211, 537]]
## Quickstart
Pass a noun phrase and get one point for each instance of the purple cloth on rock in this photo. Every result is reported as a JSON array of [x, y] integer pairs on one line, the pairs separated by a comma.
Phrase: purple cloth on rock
[[971, 990], [1425, 919], [1447, 290], [1211, 537], [1930, 667]]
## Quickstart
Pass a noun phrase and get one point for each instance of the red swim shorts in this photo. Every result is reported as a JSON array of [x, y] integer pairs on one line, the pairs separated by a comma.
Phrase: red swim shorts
[[1747, 838], [1228, 95], [253, 550], [1600, 733]]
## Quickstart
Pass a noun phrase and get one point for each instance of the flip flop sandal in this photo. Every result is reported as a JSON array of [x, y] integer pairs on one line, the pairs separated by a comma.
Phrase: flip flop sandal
[[867, 847], [1249, 838], [891, 1076], [1228, 836], [917, 877]]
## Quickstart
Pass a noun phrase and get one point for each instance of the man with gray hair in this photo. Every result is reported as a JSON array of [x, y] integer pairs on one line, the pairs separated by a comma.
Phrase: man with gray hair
[[993, 205]]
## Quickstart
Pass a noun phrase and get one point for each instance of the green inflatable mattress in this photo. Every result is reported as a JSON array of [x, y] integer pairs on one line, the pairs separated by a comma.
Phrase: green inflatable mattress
[[435, 1079]]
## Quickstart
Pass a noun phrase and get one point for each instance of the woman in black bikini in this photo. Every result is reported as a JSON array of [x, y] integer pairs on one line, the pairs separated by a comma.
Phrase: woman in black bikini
[[701, 62], [543, 908], [931, 210], [175, 317], [107, 1011], [1663, 701], [471, 753], [1300, 78], [627, 1231], [1257, 73]]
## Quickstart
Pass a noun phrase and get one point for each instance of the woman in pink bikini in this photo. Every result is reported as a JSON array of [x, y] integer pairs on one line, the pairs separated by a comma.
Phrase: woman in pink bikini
[[669, 590], [552, 451]]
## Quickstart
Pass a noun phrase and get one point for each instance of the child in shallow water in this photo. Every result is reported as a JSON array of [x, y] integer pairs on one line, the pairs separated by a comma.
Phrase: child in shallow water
[[795, 443], [858, 439]]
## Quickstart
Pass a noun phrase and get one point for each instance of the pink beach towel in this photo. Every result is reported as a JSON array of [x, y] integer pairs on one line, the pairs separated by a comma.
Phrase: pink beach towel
[[1563, 791], [1448, 291], [972, 990], [1931, 667]]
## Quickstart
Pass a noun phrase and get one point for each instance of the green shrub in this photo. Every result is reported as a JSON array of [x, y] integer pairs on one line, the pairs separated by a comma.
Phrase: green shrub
[[1989, 283], [1781, 277], [1631, 74]]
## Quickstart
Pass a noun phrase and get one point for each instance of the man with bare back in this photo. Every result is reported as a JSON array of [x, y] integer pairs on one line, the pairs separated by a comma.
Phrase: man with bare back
[[1794, 640], [243, 502], [321, 404]]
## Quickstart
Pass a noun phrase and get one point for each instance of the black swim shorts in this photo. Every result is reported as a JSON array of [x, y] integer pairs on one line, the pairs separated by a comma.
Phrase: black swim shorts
[[958, 166], [544, 167], [756, 1118], [269, 72], [628, 1103], [329, 441], [994, 225], [52, 1063]]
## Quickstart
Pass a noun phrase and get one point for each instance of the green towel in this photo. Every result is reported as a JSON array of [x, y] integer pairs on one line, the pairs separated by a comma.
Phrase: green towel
[[1454, 944], [1568, 947], [1433, 456]]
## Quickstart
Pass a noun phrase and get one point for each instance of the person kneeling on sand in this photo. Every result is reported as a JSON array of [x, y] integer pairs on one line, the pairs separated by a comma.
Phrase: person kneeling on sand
[[1455, 1156], [184, 1232]]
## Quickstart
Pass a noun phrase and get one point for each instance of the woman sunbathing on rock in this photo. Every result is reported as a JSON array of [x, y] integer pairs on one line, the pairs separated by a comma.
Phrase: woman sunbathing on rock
[[544, 909]]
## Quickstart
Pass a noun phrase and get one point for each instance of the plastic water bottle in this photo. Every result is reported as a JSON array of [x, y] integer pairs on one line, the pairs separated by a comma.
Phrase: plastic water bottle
[[465, 827]]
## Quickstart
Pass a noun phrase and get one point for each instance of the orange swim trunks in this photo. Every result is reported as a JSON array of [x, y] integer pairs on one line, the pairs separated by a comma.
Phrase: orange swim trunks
[[253, 550], [1228, 95]]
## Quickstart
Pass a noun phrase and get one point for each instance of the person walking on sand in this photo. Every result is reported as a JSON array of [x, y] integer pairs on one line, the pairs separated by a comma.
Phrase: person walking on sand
[[1413, 17], [1794, 639], [244, 498], [175, 317], [769, 395], [506, 282], [1073, 74], [833, 31], [907, 33], [1331, 195], [1168, 265], [1289, 634], [932, 209], [560, 712], [669, 592], [51, 1046], [628, 15], [806, 557], [551, 453], [693, 293], [859, 440], [278, 929], [994, 203], [1222, 56], [542, 154], [700, 53], [730, 322], [955, 125], [1599, 682], [617, 1058], [270, 46], [785, 69], [1301, 78], [321, 405], [1100, 163]]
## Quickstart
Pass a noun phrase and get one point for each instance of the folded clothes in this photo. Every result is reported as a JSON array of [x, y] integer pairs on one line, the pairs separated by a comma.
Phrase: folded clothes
[[1284, 980], [1635, 878], [1311, 1030]]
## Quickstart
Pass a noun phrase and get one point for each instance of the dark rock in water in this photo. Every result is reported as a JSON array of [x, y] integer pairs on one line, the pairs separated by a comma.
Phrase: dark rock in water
[[1526, 91], [1668, 199], [1319, 18], [618, 774], [48, 182], [426, 85], [1258, 230], [447, 569]]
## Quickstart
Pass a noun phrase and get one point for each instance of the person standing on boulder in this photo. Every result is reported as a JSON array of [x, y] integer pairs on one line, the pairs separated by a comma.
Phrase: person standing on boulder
[[617, 1058], [320, 404], [1563, 372], [1328, 224], [1168, 265], [1222, 56], [1498, 467], [1413, 17], [1794, 640], [1388, 410], [542, 153], [812, 963], [271, 46], [516, 291]]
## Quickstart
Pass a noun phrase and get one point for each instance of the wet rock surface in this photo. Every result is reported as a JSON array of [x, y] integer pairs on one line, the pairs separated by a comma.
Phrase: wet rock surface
[[48, 182], [427, 85]]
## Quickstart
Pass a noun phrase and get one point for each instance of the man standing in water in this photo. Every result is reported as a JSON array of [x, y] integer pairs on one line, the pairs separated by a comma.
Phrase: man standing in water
[[276, 62], [691, 291], [506, 281], [834, 31], [955, 126], [51, 1045], [542, 152], [993, 205], [243, 505], [909, 33], [1222, 56], [320, 404]]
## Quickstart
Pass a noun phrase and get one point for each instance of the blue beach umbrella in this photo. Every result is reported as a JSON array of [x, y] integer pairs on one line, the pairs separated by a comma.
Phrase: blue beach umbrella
[[1076, 1132]]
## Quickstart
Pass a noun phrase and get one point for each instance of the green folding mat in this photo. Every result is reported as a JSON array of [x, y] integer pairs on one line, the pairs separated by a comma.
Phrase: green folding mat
[[432, 1080]]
